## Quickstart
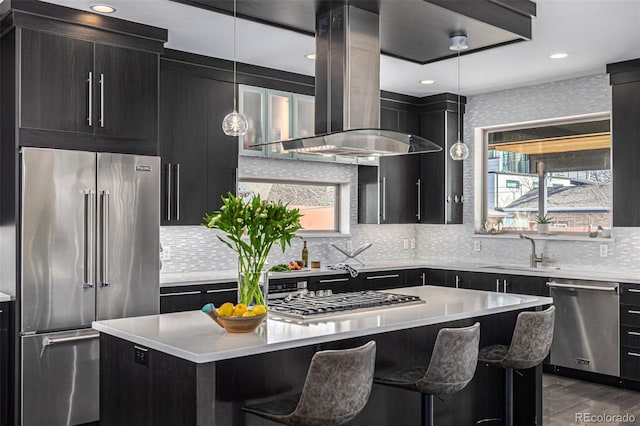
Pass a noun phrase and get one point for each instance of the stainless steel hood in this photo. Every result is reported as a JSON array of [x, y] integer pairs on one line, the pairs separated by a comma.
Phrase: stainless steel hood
[[347, 91]]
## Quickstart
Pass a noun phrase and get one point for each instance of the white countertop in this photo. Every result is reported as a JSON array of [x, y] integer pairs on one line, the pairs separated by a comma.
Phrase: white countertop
[[195, 337], [5, 297], [549, 271]]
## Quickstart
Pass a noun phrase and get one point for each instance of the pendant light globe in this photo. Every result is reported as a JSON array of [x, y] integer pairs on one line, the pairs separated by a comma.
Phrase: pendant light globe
[[459, 151], [235, 124]]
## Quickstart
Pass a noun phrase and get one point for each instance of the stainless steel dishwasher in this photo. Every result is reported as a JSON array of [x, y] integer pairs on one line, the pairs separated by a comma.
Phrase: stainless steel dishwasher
[[587, 325]]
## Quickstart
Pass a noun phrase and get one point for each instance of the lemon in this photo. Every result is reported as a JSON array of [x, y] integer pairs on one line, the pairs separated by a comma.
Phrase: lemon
[[226, 310], [239, 310], [249, 314], [259, 310]]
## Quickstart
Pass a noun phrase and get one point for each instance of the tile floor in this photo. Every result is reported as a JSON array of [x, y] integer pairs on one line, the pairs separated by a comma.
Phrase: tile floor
[[565, 399]]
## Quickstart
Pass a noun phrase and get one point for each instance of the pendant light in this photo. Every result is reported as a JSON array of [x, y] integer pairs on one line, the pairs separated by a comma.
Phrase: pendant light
[[234, 124], [459, 150]]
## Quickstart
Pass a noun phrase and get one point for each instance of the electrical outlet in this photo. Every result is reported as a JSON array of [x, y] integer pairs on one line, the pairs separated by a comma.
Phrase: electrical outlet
[[405, 244], [476, 246], [604, 250], [166, 253], [349, 245], [141, 355], [413, 243]]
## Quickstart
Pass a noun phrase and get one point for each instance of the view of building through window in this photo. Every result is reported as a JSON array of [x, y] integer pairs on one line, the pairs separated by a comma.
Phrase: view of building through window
[[576, 158], [318, 202]]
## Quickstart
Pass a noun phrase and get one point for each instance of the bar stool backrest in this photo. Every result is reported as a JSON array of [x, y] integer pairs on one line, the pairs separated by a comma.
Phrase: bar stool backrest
[[337, 386], [531, 339], [453, 360]]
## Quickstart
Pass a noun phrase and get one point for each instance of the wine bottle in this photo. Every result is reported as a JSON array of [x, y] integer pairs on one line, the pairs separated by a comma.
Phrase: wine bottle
[[305, 255]]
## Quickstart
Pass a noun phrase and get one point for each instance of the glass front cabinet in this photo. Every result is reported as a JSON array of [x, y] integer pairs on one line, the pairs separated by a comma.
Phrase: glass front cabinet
[[273, 116]]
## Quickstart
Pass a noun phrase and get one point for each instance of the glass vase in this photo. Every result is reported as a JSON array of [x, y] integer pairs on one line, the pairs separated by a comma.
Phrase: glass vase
[[253, 285]]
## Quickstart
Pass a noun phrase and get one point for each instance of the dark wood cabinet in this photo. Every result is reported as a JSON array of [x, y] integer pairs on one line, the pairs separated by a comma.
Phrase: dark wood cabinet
[[199, 160], [337, 283], [56, 91], [625, 132], [5, 362], [383, 280], [630, 331], [442, 189], [194, 297], [78, 94]]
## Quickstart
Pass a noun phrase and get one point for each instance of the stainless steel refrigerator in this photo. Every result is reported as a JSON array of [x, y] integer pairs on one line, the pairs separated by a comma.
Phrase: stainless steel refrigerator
[[89, 251]]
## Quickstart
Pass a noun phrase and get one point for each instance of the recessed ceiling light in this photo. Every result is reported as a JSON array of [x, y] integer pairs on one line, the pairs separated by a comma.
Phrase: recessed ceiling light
[[311, 56], [102, 8], [559, 55], [427, 81]]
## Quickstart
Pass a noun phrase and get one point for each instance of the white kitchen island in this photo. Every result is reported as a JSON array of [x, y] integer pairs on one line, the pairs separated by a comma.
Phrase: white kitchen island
[[184, 368]]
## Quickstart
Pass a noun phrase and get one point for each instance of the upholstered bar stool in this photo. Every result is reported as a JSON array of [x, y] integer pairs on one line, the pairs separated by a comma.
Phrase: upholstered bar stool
[[336, 389], [529, 346], [452, 366]]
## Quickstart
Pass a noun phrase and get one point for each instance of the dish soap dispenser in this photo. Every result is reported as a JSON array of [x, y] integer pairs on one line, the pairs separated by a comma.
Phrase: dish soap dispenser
[[305, 255]]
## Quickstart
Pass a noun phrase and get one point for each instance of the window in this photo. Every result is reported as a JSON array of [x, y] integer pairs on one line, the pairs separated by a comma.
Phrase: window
[[561, 166], [318, 202]]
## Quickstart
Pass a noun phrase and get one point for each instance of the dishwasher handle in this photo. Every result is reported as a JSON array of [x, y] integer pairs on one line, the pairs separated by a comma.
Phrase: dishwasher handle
[[553, 284]]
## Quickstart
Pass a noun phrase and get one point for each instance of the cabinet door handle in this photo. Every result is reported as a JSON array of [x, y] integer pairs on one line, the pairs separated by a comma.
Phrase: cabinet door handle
[[334, 280], [418, 184], [168, 192], [222, 290], [631, 311], [90, 112], [182, 293], [384, 198], [497, 285], [634, 290], [101, 100], [424, 278], [177, 191], [457, 281], [633, 333], [633, 354], [504, 289], [379, 277]]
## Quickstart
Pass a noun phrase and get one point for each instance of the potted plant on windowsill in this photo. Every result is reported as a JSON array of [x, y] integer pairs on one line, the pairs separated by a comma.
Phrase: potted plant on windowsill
[[543, 223], [251, 228]]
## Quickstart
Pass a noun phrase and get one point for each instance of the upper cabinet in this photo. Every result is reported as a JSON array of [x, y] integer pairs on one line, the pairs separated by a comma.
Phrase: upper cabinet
[[85, 88], [273, 116], [416, 188], [625, 90], [83, 81], [199, 161]]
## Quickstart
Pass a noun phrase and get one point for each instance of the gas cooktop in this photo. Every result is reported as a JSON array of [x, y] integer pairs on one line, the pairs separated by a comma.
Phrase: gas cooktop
[[325, 303]]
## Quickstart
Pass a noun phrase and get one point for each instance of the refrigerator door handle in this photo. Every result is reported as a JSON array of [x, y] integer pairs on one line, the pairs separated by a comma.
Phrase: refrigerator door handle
[[104, 234], [48, 341], [89, 220], [168, 191]]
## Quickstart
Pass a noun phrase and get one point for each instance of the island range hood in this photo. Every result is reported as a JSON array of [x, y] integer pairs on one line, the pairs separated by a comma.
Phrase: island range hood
[[347, 91]]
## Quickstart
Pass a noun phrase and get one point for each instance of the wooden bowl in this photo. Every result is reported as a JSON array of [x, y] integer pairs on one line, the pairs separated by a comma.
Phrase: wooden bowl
[[237, 324]]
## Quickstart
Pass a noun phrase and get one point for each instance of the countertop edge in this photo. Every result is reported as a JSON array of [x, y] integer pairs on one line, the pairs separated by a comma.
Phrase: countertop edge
[[237, 353]]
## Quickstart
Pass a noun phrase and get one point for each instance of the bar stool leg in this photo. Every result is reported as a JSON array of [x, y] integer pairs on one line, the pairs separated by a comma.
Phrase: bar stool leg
[[508, 396], [427, 409]]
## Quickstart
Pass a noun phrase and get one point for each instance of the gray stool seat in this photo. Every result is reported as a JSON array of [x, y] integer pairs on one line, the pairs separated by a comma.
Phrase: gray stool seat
[[336, 389], [529, 346], [452, 366]]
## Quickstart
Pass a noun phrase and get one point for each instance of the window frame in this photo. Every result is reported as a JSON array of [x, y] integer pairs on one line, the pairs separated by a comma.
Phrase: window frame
[[341, 203], [481, 161]]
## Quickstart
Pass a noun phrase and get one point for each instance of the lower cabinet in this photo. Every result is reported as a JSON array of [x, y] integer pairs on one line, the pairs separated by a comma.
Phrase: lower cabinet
[[5, 367], [630, 331], [189, 298]]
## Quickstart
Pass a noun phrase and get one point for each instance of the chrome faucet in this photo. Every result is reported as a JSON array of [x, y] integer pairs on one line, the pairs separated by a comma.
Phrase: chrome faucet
[[533, 263]]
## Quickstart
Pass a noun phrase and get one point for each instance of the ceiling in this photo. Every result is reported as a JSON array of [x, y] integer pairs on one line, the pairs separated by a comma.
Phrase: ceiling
[[593, 32]]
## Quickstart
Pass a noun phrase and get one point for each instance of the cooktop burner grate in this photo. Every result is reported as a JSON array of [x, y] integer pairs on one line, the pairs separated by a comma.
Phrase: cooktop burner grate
[[314, 305]]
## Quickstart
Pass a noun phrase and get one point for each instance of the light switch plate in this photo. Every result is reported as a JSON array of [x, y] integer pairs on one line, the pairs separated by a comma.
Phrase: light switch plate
[[476, 246], [604, 250]]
